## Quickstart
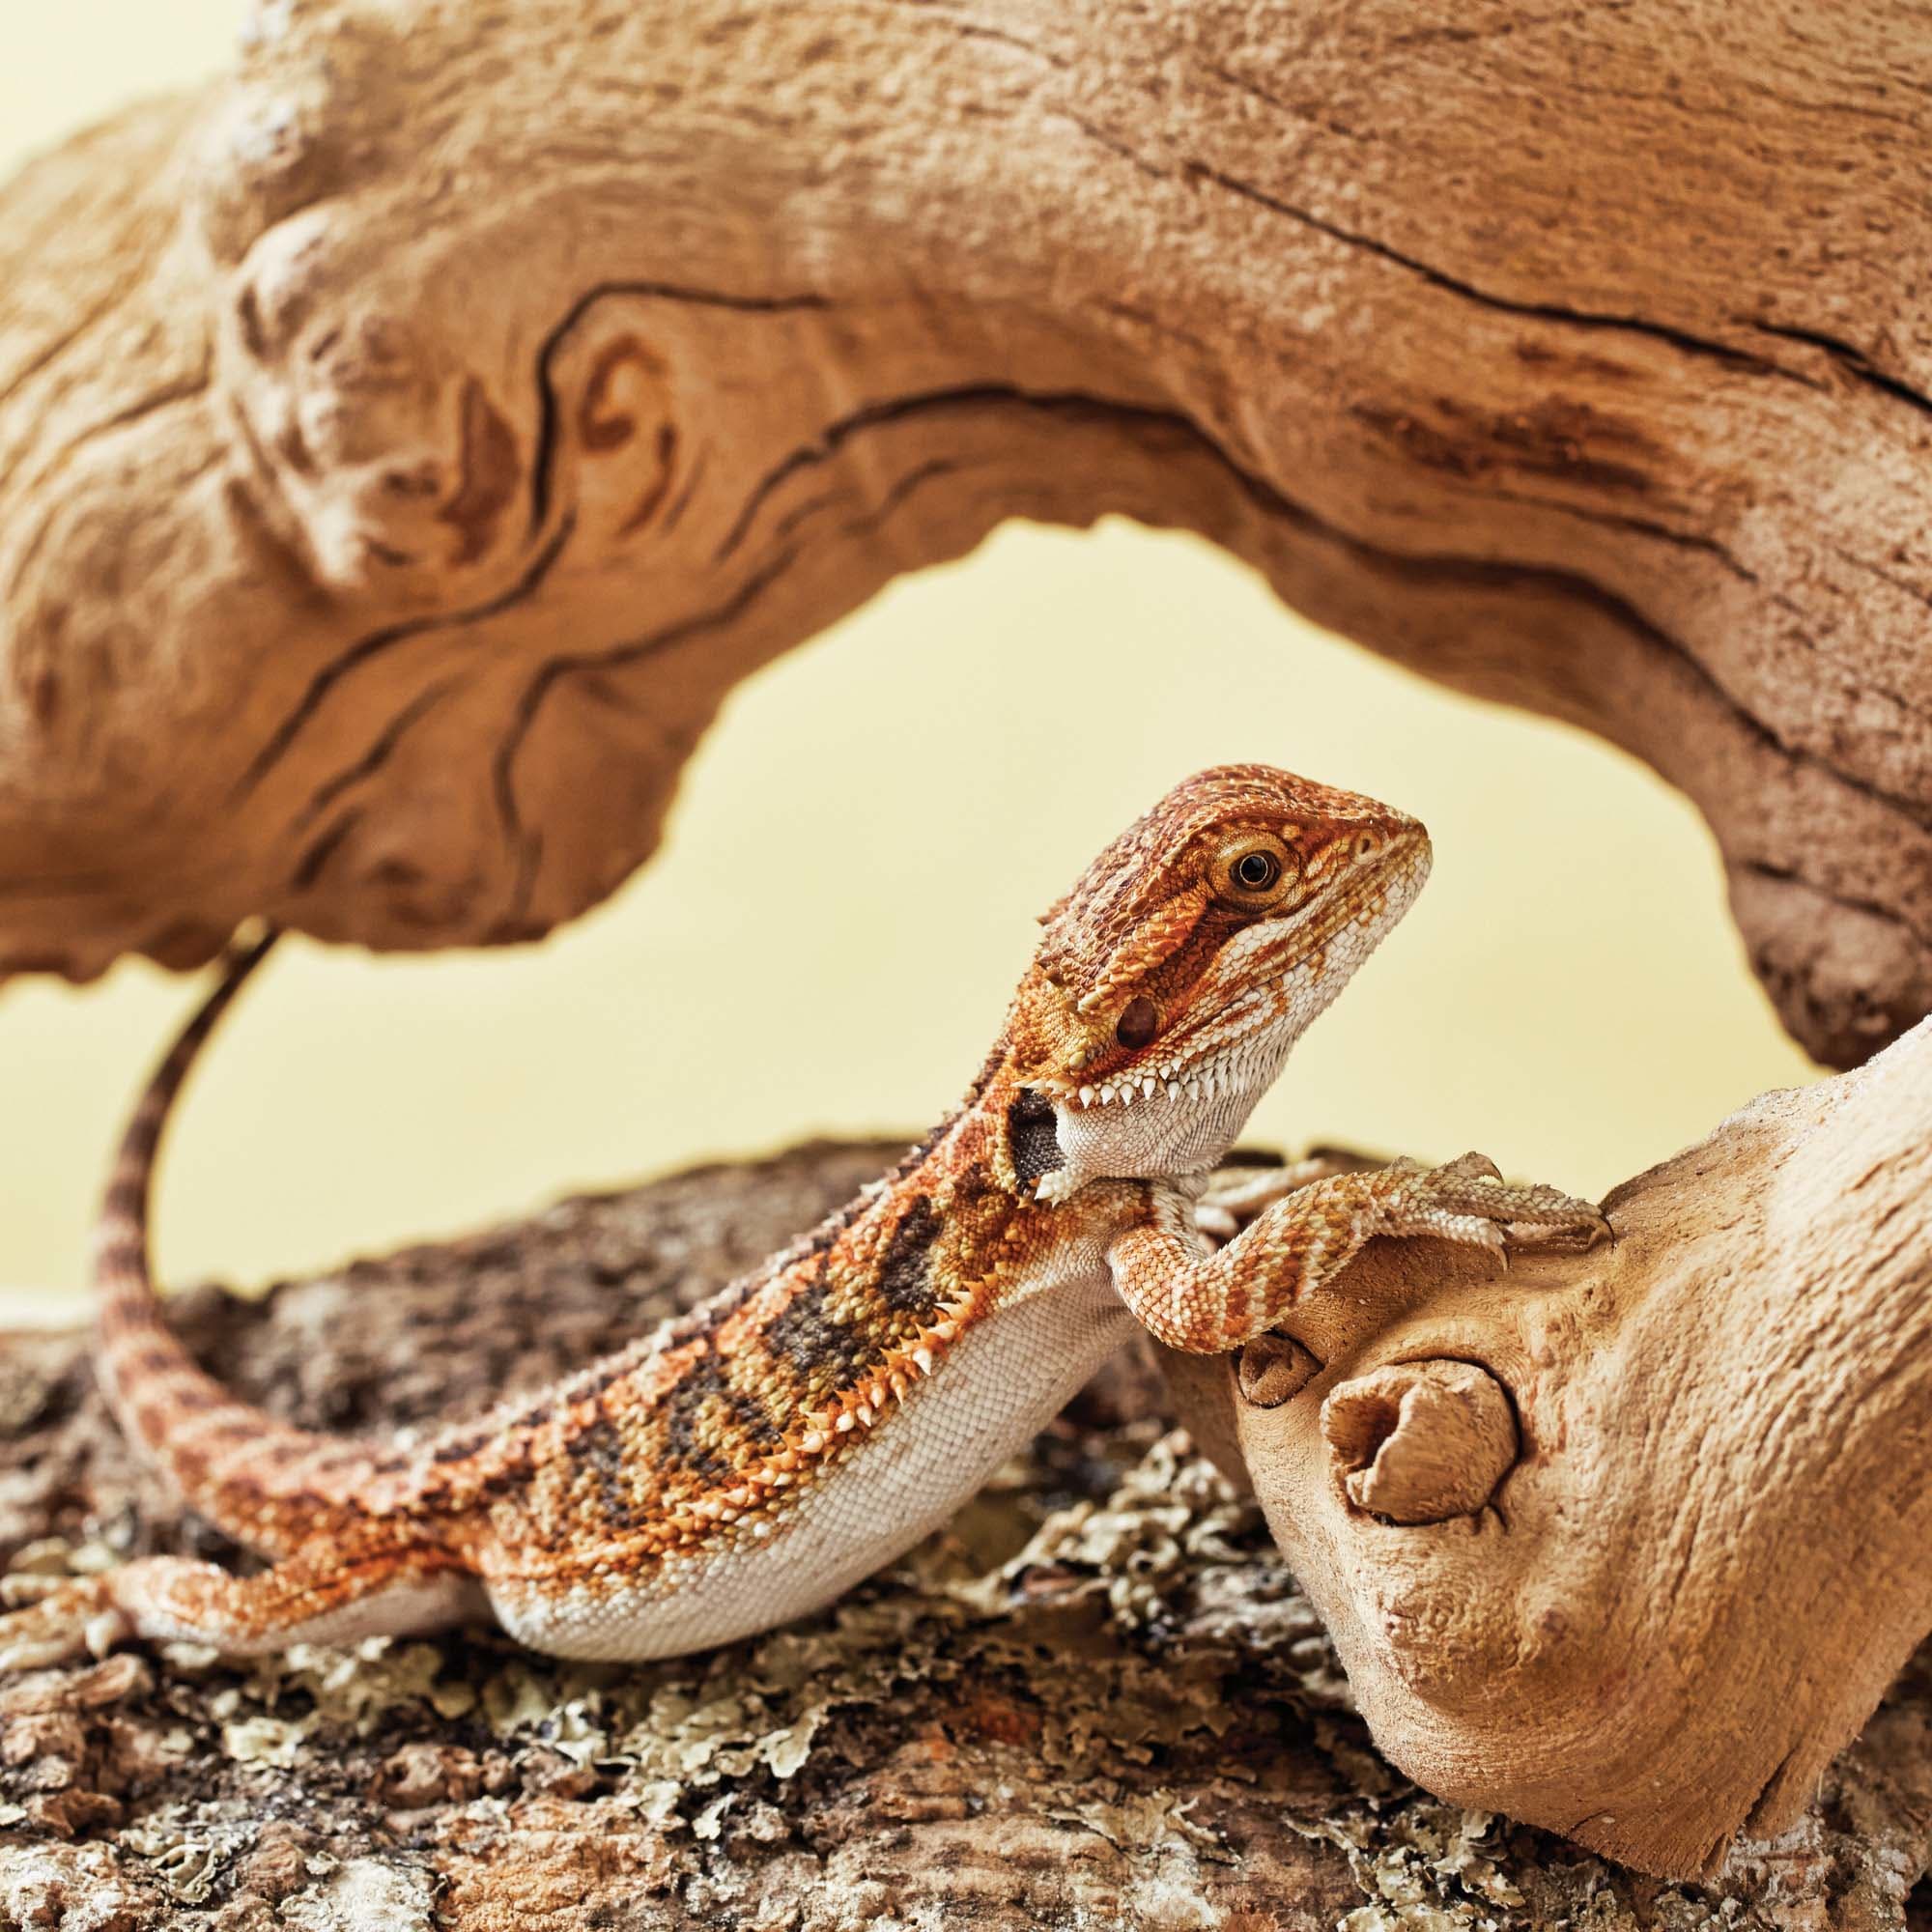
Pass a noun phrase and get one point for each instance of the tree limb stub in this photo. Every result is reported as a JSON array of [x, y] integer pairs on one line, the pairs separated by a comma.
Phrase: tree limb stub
[[404, 448], [1628, 1544]]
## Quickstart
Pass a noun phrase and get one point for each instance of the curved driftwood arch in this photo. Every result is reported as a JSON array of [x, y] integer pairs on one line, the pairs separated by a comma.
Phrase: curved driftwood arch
[[403, 447]]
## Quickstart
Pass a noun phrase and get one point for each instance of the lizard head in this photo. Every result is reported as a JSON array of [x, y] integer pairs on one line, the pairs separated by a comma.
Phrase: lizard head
[[1175, 976]]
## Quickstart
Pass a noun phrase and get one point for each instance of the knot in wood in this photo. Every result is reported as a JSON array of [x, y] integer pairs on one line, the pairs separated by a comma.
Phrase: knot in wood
[[1273, 1369], [1425, 1442]]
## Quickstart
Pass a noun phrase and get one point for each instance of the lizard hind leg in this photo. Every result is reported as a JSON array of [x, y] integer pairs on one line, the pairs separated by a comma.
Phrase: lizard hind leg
[[165, 1599]]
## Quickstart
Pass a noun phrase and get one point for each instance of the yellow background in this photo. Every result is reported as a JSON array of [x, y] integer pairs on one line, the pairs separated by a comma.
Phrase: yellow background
[[826, 941]]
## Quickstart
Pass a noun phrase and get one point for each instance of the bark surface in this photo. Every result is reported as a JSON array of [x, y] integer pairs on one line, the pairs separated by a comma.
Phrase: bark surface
[[406, 445], [1100, 1701]]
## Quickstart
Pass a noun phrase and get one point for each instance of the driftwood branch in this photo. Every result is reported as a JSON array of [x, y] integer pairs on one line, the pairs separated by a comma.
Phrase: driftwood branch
[[403, 447], [1100, 1699], [1628, 1543]]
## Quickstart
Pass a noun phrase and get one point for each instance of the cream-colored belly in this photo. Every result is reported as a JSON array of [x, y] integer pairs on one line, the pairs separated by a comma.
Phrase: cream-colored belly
[[1005, 1379]]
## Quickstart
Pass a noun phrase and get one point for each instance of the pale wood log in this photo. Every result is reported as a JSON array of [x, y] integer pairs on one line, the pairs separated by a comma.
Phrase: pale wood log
[[406, 445], [1709, 1551]]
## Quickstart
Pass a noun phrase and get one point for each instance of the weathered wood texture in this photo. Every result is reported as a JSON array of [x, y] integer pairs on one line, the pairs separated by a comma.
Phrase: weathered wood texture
[[404, 447], [1706, 1554], [1099, 1703]]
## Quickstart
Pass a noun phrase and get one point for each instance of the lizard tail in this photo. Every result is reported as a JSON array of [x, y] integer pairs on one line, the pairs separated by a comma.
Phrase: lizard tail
[[254, 1477]]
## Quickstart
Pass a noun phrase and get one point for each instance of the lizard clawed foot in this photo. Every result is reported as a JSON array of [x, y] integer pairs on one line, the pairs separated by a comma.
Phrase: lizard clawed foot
[[1467, 1201]]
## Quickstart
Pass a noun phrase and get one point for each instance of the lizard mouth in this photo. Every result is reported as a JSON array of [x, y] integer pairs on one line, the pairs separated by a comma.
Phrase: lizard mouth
[[1312, 954]]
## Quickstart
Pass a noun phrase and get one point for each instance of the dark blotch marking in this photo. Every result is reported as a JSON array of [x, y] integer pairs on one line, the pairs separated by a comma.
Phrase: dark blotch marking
[[972, 1184], [905, 1281], [683, 1415], [1031, 1136], [683, 1412], [816, 1344], [602, 1449]]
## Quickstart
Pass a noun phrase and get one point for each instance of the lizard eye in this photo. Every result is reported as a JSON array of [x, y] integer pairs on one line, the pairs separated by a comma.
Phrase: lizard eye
[[1254, 873], [1139, 1023]]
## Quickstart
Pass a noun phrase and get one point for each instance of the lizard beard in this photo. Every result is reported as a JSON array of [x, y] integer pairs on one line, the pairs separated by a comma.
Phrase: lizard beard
[[1158, 1137], [1162, 1138]]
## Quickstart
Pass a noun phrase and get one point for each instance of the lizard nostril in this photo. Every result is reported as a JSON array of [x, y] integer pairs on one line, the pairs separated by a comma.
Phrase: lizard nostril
[[1138, 1024]]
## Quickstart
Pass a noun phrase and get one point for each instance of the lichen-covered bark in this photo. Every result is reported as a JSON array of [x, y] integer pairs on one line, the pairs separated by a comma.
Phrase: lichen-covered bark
[[404, 448], [1098, 1701]]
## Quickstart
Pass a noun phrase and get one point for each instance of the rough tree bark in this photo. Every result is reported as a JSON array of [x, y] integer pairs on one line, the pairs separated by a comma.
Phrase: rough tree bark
[[1099, 1700], [405, 446]]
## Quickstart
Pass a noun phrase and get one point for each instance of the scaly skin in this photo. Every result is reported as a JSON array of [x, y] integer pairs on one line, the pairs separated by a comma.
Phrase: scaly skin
[[745, 1463]]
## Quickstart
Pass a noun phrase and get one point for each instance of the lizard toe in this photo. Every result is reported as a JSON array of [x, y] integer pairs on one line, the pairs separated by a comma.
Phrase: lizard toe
[[1574, 1224]]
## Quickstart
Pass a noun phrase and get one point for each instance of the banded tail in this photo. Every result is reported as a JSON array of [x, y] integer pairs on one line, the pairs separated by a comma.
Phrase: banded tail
[[257, 1479]]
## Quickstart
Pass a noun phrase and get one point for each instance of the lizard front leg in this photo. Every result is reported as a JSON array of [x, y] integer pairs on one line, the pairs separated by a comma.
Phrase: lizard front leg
[[1236, 1193], [1206, 1304]]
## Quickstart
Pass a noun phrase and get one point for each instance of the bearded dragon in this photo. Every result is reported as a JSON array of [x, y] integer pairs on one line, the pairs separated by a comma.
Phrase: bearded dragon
[[745, 1463]]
